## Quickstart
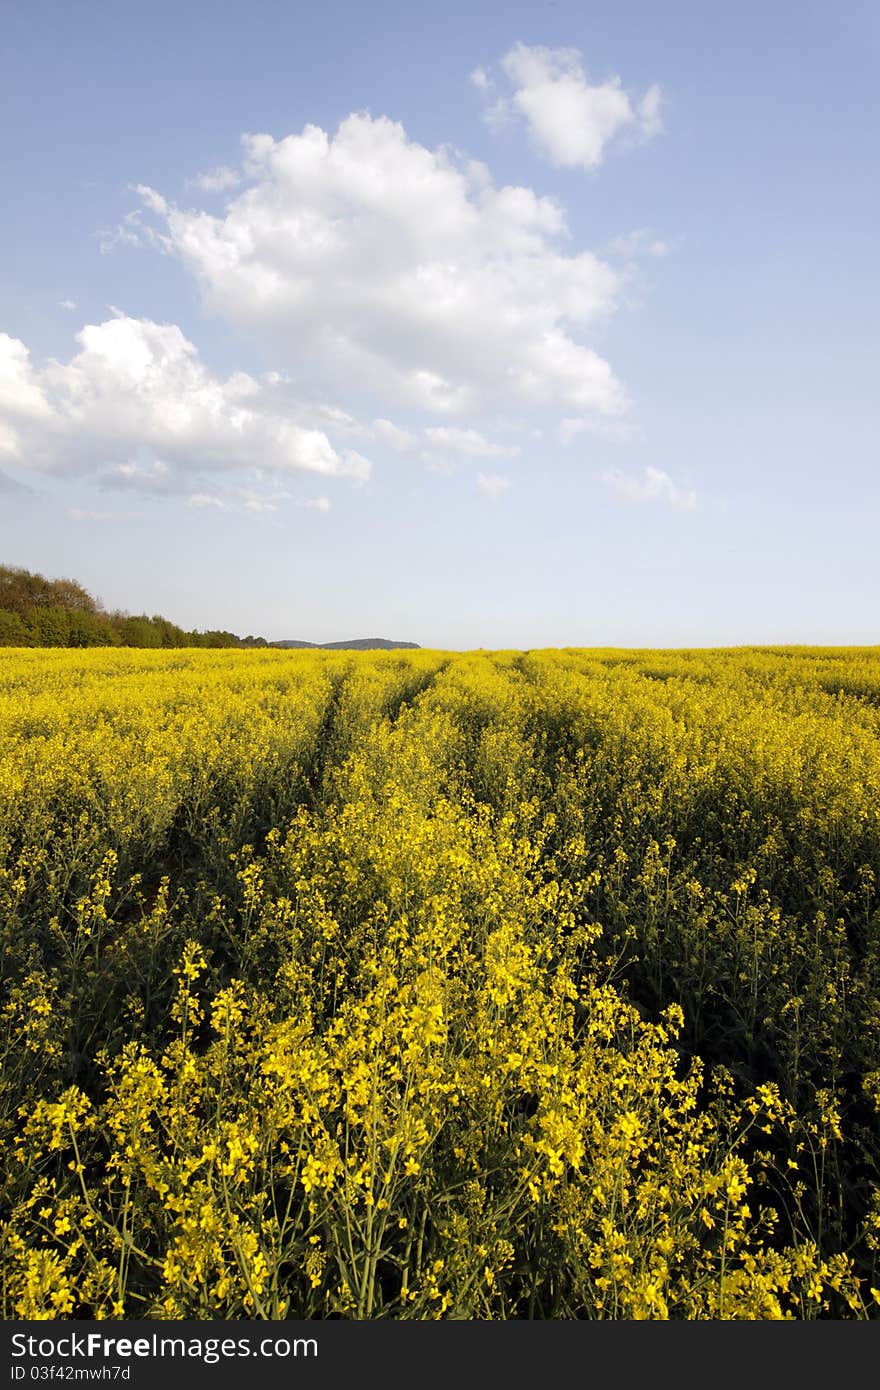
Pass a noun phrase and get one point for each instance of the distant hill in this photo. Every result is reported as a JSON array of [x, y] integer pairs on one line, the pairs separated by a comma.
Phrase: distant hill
[[357, 644]]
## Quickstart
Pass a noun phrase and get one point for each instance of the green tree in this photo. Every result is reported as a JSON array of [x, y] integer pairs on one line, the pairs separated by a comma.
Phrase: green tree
[[49, 626], [13, 630]]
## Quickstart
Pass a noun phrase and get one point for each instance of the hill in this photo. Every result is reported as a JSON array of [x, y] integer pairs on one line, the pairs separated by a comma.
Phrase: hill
[[356, 644]]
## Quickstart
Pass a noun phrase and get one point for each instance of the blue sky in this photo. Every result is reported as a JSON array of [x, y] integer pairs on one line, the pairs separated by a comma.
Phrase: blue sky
[[495, 324]]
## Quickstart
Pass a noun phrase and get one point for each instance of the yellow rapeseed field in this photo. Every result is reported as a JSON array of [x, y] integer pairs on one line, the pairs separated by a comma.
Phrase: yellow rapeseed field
[[435, 985]]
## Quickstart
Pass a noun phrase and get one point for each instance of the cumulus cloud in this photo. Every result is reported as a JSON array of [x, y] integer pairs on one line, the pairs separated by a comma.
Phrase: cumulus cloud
[[137, 407], [67, 304], [21, 396], [570, 120], [384, 276], [392, 267], [492, 485], [653, 486]]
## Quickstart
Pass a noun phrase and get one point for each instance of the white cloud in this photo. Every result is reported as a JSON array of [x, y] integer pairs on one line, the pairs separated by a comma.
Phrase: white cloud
[[21, 397], [638, 243], [251, 500], [67, 304], [570, 427], [438, 446], [648, 109], [218, 180], [500, 116], [151, 199], [392, 267], [353, 464], [259, 502], [401, 440], [137, 407], [492, 485], [653, 486], [154, 477], [331, 417], [468, 442], [131, 231], [254, 501], [480, 79], [570, 120], [206, 501]]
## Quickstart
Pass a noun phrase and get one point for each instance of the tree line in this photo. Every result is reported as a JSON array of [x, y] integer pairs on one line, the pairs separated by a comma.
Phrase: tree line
[[40, 612]]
